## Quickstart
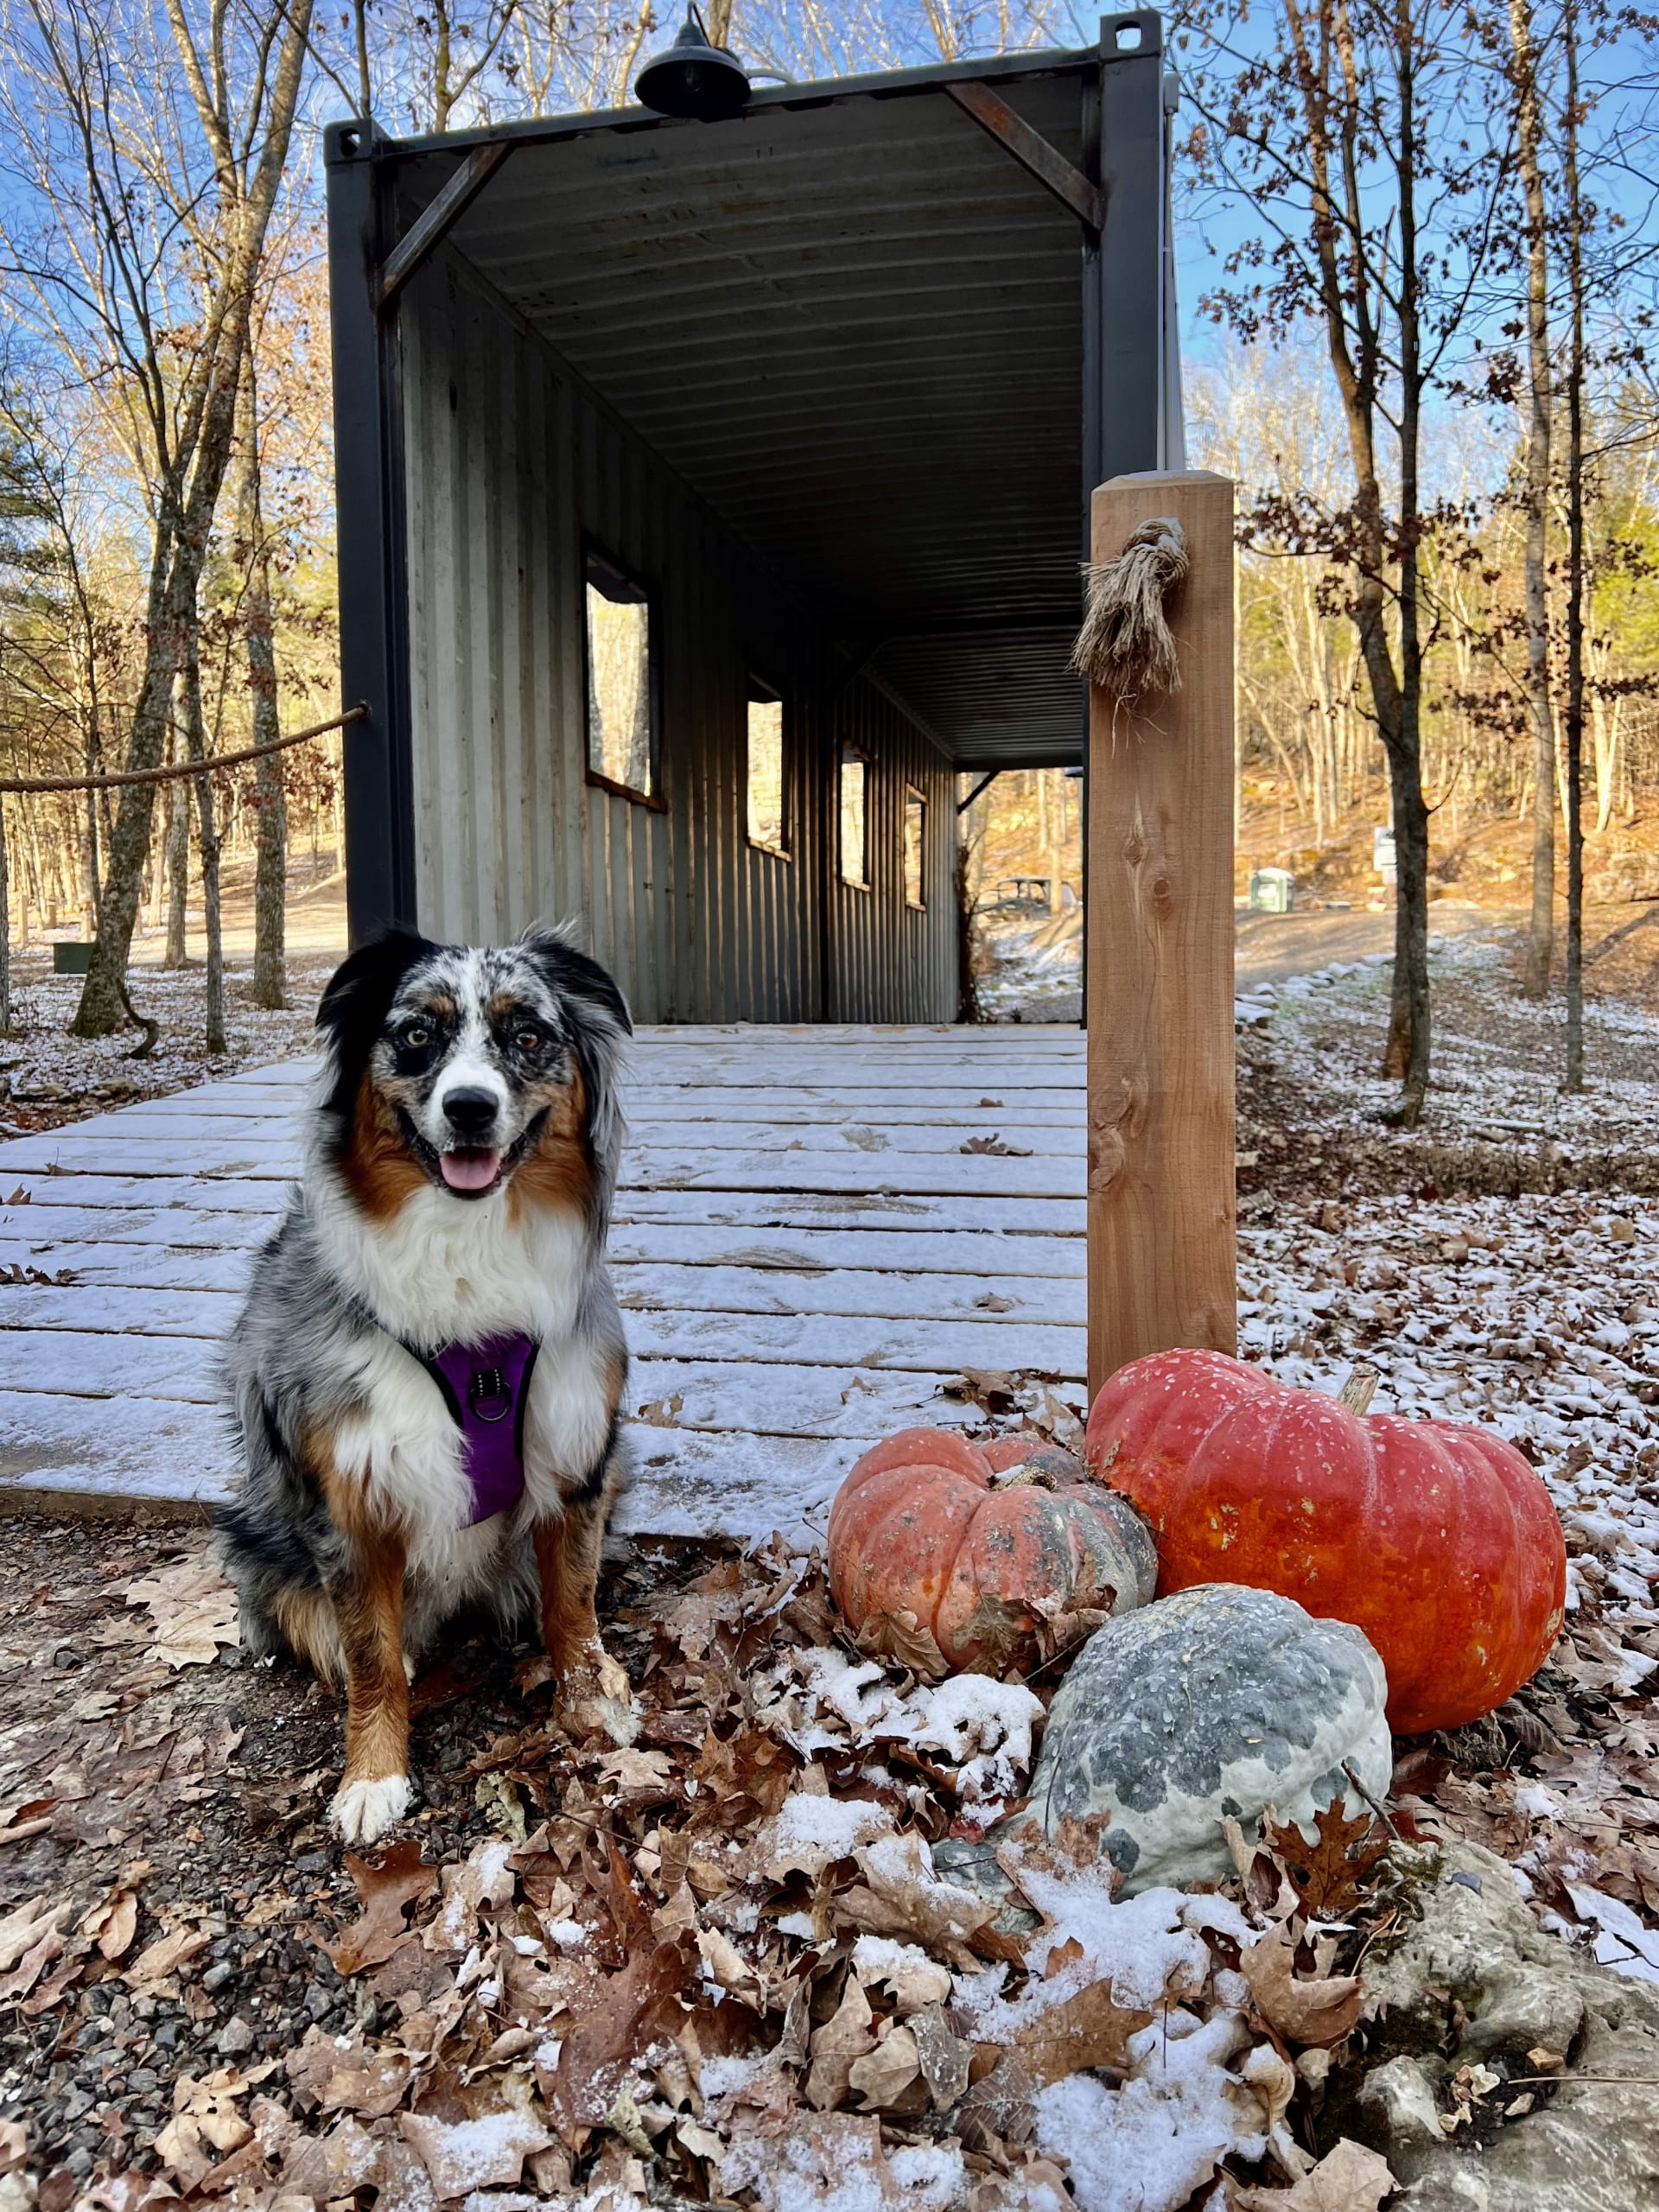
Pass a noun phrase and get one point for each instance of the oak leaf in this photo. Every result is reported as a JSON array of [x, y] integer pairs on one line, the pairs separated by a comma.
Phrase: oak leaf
[[627, 2013], [385, 1888], [1330, 1876], [1087, 2029], [1320, 2012]]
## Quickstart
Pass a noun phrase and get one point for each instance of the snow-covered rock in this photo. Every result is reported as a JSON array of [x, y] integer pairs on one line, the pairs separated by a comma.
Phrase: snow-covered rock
[[1218, 1700]]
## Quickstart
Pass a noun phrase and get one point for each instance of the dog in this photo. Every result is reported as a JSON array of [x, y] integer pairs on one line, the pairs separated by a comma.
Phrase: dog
[[426, 1376]]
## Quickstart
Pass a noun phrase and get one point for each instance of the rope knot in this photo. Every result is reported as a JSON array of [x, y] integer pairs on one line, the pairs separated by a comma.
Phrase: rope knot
[[1125, 644]]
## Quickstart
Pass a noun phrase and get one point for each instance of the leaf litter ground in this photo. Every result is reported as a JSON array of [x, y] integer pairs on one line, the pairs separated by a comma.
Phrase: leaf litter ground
[[713, 1961]]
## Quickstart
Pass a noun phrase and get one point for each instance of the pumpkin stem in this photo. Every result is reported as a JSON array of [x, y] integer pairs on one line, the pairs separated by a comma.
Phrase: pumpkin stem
[[1024, 1478], [1360, 1389]]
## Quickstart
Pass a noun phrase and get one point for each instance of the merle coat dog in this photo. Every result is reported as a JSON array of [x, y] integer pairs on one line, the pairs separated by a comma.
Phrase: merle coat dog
[[427, 1373]]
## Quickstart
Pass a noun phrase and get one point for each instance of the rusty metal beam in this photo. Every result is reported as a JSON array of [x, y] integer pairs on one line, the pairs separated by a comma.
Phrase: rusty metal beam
[[428, 230], [1032, 151]]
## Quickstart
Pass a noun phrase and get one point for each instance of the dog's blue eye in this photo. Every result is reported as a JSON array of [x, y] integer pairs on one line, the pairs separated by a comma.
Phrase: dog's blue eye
[[417, 1034]]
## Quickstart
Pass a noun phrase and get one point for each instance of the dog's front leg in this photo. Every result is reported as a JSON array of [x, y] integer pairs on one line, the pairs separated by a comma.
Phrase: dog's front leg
[[567, 1557], [593, 1694], [368, 1600]]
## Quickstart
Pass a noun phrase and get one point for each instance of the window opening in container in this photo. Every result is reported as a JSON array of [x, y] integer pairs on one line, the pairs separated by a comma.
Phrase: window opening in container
[[855, 818], [915, 849], [766, 766], [624, 741]]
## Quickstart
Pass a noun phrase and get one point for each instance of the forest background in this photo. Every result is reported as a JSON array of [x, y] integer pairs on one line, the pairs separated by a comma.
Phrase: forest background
[[1417, 252]]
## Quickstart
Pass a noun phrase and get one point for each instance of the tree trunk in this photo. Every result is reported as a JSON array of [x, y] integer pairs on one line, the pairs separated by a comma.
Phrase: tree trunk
[[207, 835], [968, 1006], [188, 509], [270, 866], [1540, 711], [1406, 754], [173, 604], [1606, 722], [5, 932], [178, 864], [1574, 570], [1336, 151]]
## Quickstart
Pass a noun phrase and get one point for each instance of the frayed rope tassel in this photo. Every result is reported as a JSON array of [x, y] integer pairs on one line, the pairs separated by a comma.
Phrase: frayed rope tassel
[[1125, 646]]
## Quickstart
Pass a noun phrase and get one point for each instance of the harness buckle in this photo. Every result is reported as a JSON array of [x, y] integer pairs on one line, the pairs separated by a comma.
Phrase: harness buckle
[[488, 1394]]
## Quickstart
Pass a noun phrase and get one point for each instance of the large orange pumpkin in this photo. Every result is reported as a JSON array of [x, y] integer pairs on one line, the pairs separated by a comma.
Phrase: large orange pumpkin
[[933, 1536], [1437, 1540]]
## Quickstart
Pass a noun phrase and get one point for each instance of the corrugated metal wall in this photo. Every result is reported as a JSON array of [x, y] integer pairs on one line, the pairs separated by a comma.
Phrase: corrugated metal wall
[[509, 461], [889, 954]]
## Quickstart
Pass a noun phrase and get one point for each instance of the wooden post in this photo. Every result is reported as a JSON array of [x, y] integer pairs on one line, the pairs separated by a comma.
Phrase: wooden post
[[1161, 1218]]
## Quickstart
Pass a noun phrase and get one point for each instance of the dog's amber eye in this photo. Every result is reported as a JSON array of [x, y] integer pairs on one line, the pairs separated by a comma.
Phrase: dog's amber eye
[[528, 1038]]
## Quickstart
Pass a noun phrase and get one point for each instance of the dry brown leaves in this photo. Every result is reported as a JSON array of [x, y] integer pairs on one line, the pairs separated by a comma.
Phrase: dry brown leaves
[[1090, 2028], [1293, 1997], [192, 1609], [1349, 2178], [1330, 1876], [716, 1960], [386, 1887]]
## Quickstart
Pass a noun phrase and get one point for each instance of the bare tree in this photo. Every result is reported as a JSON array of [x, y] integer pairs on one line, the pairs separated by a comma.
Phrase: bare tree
[[1528, 114], [1573, 193], [1354, 137], [270, 865], [124, 243]]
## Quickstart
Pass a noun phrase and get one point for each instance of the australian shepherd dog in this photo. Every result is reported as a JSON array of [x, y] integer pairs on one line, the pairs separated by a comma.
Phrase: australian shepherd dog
[[427, 1373]]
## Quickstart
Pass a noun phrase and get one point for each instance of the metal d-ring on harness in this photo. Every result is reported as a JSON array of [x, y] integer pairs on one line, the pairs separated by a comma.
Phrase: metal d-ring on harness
[[489, 1395], [482, 1384]]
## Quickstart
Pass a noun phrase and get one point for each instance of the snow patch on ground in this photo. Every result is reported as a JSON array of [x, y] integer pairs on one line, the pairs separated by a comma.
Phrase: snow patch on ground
[[1146, 2147], [982, 1726]]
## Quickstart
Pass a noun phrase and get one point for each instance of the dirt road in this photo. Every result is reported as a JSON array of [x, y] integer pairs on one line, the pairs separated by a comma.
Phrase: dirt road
[[1270, 947]]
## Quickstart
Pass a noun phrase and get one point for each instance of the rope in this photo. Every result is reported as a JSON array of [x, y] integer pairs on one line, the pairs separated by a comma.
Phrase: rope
[[23, 785], [1125, 646]]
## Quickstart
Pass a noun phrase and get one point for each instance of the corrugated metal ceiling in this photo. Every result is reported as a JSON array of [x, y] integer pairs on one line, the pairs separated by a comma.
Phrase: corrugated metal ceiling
[[854, 325]]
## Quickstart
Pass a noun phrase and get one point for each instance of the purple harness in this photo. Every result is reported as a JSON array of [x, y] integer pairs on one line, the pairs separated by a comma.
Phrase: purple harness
[[486, 1388]]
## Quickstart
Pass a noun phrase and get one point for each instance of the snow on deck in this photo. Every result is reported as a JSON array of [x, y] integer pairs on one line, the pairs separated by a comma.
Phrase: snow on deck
[[806, 1251]]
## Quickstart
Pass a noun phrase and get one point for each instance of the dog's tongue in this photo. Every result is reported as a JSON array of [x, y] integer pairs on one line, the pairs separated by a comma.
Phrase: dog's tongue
[[471, 1170]]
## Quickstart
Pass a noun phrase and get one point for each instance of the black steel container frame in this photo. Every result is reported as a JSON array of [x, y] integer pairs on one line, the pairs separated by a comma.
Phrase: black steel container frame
[[1124, 370]]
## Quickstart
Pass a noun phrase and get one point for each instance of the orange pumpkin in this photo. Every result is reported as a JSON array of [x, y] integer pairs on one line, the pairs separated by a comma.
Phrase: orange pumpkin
[[935, 1540], [1437, 1540]]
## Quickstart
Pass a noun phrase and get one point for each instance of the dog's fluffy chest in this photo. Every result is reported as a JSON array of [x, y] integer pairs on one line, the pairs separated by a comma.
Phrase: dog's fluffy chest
[[437, 1273]]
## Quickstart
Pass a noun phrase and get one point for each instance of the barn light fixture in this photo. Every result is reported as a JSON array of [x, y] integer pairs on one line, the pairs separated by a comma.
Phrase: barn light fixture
[[694, 78]]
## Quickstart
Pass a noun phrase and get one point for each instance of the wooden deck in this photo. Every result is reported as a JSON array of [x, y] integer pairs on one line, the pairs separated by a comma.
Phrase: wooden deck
[[805, 1248]]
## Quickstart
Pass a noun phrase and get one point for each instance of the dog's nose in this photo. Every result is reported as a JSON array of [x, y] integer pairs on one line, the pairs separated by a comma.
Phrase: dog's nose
[[469, 1111]]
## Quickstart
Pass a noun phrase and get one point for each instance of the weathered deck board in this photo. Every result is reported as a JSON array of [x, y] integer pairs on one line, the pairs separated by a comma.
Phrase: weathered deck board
[[802, 1250]]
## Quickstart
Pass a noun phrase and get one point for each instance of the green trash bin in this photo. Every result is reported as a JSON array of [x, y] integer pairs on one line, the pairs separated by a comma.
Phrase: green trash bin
[[1272, 891]]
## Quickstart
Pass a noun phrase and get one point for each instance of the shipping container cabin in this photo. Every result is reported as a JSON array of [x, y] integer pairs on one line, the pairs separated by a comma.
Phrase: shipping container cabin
[[711, 502]]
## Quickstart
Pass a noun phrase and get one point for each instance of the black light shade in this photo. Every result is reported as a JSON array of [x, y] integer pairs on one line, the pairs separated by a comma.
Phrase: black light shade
[[704, 83]]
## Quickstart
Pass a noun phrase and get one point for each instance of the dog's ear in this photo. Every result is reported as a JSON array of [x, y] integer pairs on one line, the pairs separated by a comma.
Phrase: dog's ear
[[354, 1007], [574, 975], [597, 1015]]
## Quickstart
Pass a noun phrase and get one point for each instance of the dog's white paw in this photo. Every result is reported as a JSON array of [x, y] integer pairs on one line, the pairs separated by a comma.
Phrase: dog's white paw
[[363, 1811]]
